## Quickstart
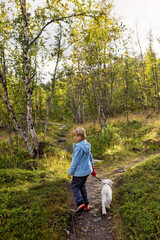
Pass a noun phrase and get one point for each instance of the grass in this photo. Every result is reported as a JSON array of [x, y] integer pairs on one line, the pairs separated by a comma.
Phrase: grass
[[136, 202], [34, 193], [33, 205], [122, 140], [136, 193]]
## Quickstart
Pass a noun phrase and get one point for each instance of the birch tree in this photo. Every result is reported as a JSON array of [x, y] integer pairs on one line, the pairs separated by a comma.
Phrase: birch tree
[[93, 54], [25, 31]]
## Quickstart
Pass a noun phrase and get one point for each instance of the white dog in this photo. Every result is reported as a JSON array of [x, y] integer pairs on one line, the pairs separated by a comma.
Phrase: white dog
[[106, 195]]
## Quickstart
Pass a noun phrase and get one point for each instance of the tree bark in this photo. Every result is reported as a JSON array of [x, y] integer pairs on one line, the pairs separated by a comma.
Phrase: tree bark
[[103, 117], [53, 84], [144, 75], [28, 89], [7, 102]]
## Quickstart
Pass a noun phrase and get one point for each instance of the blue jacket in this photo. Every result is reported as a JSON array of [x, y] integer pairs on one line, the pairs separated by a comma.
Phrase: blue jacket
[[82, 160]]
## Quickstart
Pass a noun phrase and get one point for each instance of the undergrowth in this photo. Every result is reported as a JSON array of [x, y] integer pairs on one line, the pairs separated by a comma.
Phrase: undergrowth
[[120, 139], [33, 205], [34, 193], [136, 202], [136, 193]]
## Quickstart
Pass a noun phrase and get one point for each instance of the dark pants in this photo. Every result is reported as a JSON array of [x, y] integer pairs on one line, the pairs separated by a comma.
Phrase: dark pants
[[79, 190]]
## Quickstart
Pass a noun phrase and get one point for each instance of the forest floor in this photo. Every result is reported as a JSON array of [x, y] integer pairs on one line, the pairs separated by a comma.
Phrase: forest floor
[[92, 225]]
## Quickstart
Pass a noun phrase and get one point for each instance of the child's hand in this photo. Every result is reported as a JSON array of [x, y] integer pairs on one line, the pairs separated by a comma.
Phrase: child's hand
[[69, 176], [93, 173]]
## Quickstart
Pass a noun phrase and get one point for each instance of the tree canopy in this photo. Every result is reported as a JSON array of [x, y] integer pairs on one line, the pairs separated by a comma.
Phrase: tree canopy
[[96, 71]]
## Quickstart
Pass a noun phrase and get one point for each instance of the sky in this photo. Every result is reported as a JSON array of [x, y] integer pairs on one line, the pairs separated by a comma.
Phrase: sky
[[144, 13]]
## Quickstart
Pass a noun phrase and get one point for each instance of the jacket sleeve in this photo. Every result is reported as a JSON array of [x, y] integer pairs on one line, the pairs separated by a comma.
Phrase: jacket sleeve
[[75, 160], [91, 159]]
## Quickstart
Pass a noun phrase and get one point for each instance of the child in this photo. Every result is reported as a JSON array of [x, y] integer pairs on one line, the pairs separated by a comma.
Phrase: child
[[80, 168]]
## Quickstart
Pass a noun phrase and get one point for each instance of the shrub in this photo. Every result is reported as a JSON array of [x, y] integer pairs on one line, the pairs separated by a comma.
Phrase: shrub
[[102, 139], [110, 135]]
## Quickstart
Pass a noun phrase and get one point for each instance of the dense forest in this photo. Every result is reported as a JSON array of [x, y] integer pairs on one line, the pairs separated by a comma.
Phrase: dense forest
[[101, 78], [97, 70]]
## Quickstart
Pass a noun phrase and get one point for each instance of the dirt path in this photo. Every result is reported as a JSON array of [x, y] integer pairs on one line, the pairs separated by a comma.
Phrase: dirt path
[[92, 225]]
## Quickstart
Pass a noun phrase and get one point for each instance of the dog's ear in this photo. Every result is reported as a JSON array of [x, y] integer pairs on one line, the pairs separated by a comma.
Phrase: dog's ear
[[110, 182]]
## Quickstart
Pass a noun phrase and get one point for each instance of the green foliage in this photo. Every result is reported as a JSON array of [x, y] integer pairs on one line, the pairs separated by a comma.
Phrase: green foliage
[[119, 140], [33, 205], [110, 135], [10, 158], [132, 134], [151, 145], [138, 199], [129, 129], [34, 193], [102, 139]]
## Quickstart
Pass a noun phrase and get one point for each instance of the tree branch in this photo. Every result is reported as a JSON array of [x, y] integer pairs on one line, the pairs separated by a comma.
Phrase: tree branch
[[57, 20], [32, 76]]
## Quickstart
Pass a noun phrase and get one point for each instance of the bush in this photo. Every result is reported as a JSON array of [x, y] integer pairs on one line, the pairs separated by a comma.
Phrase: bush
[[110, 135], [132, 129], [102, 139]]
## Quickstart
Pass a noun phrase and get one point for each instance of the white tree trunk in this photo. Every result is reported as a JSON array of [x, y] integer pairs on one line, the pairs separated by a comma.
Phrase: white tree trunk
[[7, 102], [28, 79]]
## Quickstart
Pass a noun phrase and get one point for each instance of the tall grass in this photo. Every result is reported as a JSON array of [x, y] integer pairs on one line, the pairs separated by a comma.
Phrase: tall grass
[[120, 139]]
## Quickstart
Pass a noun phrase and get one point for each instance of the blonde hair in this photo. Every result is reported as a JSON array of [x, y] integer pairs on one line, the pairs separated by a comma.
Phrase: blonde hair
[[80, 131]]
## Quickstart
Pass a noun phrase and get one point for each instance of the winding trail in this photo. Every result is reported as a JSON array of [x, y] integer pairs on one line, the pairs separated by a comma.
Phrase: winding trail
[[92, 225]]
